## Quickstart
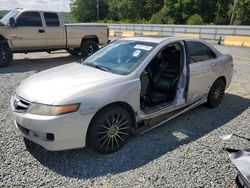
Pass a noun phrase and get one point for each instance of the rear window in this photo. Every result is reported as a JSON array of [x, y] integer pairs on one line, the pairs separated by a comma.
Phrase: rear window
[[29, 19], [199, 52], [51, 19]]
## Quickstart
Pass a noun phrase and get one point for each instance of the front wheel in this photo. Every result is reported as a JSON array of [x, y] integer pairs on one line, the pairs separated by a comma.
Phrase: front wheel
[[109, 130], [89, 47], [6, 56], [216, 93]]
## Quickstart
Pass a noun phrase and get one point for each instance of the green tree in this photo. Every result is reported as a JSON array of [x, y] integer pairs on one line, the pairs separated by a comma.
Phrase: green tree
[[161, 17], [133, 10], [86, 10], [206, 9], [161, 11], [195, 19], [223, 12], [178, 11], [66, 17], [243, 12]]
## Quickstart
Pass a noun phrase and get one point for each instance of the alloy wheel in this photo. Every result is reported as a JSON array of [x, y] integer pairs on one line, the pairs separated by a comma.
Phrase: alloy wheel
[[217, 92], [113, 132]]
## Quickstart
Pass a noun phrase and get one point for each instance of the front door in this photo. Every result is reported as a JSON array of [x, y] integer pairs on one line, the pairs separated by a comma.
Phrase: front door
[[201, 59], [29, 32], [163, 81]]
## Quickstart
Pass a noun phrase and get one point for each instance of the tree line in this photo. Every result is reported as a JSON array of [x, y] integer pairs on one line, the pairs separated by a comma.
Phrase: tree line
[[218, 12]]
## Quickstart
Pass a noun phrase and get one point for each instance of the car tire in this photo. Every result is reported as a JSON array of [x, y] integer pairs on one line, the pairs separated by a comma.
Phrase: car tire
[[216, 93], [74, 51], [109, 130], [88, 47], [6, 56]]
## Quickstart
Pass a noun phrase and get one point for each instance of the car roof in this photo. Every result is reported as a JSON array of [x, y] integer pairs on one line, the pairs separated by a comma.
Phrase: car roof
[[156, 40]]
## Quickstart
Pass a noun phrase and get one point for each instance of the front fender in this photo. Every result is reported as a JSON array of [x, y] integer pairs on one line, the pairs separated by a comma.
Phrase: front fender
[[128, 92]]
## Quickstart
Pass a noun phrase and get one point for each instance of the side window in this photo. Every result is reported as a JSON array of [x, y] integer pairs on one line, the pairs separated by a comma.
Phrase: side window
[[199, 52], [30, 19], [51, 19]]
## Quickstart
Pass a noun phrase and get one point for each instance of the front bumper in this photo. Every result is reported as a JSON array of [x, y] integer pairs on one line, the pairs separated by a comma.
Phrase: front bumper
[[54, 133]]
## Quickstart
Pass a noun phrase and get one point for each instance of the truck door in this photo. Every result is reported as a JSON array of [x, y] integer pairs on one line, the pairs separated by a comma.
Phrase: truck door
[[28, 32], [55, 31], [201, 59]]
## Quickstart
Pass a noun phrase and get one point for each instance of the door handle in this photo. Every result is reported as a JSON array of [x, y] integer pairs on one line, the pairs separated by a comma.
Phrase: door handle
[[41, 31]]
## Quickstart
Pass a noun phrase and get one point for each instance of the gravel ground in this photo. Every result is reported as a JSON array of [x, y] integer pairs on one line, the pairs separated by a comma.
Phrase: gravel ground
[[186, 152]]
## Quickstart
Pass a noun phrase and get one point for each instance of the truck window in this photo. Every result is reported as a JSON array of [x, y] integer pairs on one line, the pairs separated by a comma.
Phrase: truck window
[[51, 19], [28, 19]]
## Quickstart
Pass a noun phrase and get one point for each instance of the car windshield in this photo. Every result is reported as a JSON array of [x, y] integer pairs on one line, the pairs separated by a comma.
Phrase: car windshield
[[5, 19], [120, 57]]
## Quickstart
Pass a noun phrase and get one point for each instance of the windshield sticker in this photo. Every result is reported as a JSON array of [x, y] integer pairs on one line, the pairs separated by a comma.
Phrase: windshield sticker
[[136, 53], [143, 47]]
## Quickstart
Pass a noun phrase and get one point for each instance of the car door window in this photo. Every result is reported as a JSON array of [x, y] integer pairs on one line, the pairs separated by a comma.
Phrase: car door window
[[51, 19], [199, 52], [29, 19]]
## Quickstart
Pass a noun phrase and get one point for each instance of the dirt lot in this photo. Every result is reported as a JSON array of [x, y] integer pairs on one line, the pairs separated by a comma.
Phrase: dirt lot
[[185, 152]]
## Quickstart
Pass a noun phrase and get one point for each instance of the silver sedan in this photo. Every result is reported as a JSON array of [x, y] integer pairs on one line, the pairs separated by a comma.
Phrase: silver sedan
[[126, 88]]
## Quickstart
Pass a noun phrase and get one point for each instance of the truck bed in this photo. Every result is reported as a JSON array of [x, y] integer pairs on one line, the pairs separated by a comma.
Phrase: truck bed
[[75, 31]]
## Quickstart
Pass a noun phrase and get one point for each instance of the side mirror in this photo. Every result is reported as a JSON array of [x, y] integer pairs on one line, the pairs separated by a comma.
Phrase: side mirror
[[12, 22]]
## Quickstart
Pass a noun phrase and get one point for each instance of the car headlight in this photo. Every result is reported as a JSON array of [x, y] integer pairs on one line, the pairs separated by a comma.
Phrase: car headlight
[[47, 110]]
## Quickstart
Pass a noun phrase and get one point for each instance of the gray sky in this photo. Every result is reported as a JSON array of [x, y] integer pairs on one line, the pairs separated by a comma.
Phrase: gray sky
[[56, 5]]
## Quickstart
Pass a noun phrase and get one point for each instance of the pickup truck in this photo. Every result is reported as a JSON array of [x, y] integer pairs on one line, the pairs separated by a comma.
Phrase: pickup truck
[[25, 31]]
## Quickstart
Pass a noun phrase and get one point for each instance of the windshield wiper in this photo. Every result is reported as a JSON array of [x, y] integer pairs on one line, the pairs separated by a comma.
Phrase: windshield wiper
[[98, 67]]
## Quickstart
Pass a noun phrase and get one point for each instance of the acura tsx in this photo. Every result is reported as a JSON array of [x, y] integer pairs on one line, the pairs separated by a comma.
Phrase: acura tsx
[[125, 88]]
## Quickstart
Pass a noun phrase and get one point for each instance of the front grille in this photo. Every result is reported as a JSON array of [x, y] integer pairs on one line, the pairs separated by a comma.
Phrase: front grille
[[21, 105]]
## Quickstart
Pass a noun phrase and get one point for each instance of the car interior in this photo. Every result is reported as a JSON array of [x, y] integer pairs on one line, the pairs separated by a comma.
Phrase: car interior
[[159, 80]]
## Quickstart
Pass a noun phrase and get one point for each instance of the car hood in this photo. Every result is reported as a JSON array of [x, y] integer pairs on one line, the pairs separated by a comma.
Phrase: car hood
[[57, 84]]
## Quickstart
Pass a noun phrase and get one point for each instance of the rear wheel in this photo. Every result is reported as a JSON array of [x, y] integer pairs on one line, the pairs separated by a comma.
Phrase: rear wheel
[[73, 51], [89, 47], [110, 129], [6, 56], [216, 93]]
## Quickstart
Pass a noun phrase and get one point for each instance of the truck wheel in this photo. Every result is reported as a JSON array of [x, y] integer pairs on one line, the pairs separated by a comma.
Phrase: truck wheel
[[74, 51], [6, 56], [89, 47], [109, 130]]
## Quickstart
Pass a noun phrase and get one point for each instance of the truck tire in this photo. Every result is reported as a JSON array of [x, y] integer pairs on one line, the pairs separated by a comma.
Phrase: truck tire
[[6, 55], [88, 47], [74, 51]]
